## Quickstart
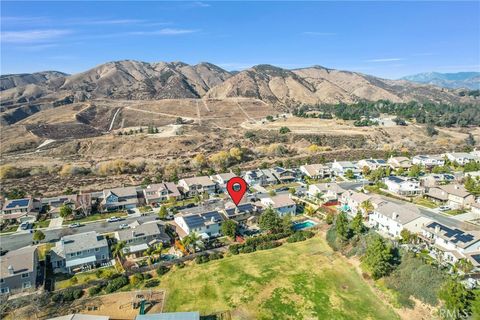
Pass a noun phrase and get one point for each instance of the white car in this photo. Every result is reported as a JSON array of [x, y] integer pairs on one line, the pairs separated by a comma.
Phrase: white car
[[444, 208], [124, 226], [74, 225], [113, 219]]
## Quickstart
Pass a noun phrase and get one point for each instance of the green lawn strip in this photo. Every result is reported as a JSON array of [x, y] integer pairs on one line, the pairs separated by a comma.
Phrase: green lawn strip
[[42, 224], [11, 228], [425, 202], [455, 212], [95, 217], [303, 280], [283, 185], [43, 249], [145, 209]]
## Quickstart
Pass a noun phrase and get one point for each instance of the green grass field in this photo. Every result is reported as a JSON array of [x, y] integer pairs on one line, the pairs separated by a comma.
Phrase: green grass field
[[304, 280]]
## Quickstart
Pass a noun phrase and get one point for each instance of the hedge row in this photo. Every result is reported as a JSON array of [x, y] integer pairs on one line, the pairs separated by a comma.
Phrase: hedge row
[[208, 257], [116, 284], [300, 236], [259, 243]]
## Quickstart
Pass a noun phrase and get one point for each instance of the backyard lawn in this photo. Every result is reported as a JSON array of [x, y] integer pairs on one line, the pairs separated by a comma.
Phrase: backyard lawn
[[425, 202], [455, 212], [63, 281], [304, 280]]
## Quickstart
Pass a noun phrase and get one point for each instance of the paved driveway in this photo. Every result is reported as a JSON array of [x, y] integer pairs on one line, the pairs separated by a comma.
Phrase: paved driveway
[[55, 223]]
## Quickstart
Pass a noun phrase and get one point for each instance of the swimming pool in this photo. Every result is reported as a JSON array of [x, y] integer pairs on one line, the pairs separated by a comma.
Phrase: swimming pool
[[303, 225]]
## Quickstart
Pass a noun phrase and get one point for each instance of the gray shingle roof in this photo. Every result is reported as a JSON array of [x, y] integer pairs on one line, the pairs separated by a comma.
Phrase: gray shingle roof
[[143, 230], [21, 260], [81, 241]]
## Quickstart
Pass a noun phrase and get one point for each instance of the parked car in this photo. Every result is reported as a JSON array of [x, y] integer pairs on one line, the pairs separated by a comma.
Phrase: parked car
[[444, 208], [124, 226], [74, 225], [25, 225], [130, 211], [113, 219]]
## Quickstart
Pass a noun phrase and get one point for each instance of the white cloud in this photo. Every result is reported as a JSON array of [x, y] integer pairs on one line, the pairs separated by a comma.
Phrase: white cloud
[[33, 36], [315, 33], [384, 60]]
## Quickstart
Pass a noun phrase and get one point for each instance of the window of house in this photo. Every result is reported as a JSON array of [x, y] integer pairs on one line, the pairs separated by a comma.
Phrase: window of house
[[26, 285], [2, 281], [79, 253], [25, 275], [4, 290], [97, 249], [103, 256]]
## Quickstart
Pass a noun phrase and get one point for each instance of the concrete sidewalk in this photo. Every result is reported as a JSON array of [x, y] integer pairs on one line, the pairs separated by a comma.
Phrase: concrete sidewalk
[[55, 223]]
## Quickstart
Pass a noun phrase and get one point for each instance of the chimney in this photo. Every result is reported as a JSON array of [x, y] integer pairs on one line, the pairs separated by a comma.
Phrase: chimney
[[10, 269], [133, 233], [394, 215], [437, 229], [457, 186]]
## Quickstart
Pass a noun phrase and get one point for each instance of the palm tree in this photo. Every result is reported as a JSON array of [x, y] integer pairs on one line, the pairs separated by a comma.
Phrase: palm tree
[[464, 265], [191, 241], [118, 249], [367, 207], [310, 211]]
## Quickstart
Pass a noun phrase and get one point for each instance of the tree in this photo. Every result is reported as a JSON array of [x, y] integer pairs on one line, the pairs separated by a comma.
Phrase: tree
[[357, 225], [269, 118], [284, 130], [349, 174], [229, 228], [118, 249], [310, 211], [270, 221], [367, 207], [179, 120], [162, 213], [464, 265], [199, 161], [341, 226], [38, 236], [65, 211], [415, 171], [220, 159], [192, 241], [272, 193], [378, 257], [236, 153], [456, 298], [407, 236]]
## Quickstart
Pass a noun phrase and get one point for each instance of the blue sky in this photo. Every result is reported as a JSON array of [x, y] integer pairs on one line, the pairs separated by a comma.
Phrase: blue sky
[[387, 39]]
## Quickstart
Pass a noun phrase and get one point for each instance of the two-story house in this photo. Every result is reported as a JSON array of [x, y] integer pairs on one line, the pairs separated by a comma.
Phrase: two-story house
[[222, 179], [341, 167], [399, 163], [454, 195], [161, 192], [206, 224], [119, 199], [390, 219], [403, 186], [20, 209], [81, 203], [316, 171], [197, 186], [450, 244], [428, 160], [283, 175], [462, 158], [79, 252], [329, 191], [240, 212], [282, 204], [19, 270], [372, 164], [140, 237], [261, 177], [352, 202]]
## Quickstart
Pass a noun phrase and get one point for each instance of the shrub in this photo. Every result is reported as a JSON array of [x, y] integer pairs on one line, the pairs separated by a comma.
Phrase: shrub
[[300, 236], [57, 297], [180, 265], [202, 259], [73, 280], [99, 273], [72, 294], [94, 291], [268, 245], [152, 283], [162, 270], [116, 284], [136, 278]]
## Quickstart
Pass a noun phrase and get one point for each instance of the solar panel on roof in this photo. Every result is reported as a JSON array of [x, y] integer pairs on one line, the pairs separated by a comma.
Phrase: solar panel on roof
[[18, 203], [476, 257]]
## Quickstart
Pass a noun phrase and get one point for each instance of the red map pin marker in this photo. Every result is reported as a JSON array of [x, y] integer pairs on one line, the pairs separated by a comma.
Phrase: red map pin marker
[[236, 188]]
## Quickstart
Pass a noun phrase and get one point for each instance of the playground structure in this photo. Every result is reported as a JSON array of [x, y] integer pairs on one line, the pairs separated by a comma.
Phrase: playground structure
[[123, 305]]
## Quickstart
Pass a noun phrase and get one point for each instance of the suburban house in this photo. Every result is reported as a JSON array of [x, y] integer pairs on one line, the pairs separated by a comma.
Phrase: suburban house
[[352, 202], [454, 195], [329, 191], [462, 158], [341, 167], [140, 237], [81, 203], [283, 204], [197, 186], [372, 164], [428, 160], [449, 244], [206, 224], [316, 171], [20, 209], [399, 163], [260, 177], [283, 175], [390, 218], [19, 270], [475, 208], [161, 192], [435, 179], [403, 186], [79, 252], [119, 199], [222, 179], [241, 212]]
